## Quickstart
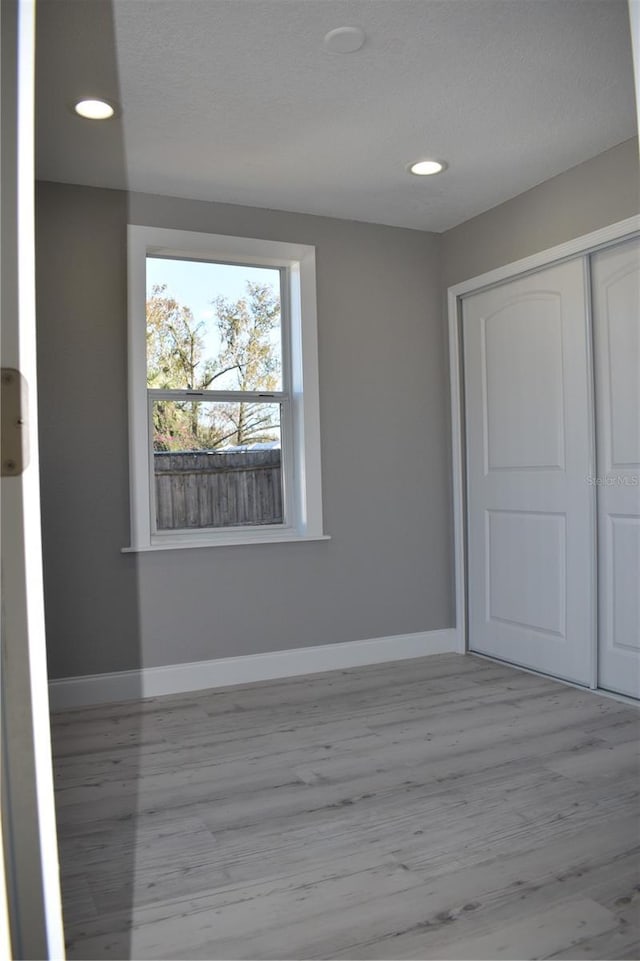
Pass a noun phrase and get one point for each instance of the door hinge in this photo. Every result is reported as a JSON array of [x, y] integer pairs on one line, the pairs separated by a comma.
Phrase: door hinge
[[14, 408]]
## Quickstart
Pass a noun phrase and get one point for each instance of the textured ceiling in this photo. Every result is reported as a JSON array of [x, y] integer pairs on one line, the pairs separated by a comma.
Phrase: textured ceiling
[[238, 101]]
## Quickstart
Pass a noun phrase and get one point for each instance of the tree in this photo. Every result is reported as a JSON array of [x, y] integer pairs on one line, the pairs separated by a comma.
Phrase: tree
[[174, 353], [246, 330], [248, 360]]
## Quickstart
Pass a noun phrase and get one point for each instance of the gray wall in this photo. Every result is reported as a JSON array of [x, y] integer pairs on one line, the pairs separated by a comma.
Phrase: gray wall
[[383, 396], [596, 193], [384, 410]]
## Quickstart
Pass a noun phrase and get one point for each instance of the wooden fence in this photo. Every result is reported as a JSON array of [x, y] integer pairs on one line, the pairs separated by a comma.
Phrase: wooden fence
[[210, 489]]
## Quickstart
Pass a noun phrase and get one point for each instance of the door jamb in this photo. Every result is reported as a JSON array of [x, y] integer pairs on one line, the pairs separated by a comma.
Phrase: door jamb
[[580, 246]]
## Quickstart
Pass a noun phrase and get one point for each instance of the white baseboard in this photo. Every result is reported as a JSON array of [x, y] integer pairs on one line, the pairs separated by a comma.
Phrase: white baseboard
[[68, 692]]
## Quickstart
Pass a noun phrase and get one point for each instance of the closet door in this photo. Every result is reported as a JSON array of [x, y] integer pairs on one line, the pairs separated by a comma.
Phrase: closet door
[[616, 318], [531, 511]]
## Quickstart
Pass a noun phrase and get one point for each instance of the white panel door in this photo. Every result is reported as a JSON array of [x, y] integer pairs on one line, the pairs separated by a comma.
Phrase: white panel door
[[531, 510], [616, 319]]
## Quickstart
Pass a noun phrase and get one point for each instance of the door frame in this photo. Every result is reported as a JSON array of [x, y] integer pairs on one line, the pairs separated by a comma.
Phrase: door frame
[[28, 841], [580, 246]]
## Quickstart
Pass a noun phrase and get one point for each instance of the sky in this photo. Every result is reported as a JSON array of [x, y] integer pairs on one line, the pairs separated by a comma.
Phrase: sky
[[195, 284]]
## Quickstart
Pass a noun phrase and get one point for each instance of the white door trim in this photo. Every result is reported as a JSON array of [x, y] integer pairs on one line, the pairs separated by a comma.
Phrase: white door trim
[[586, 244], [28, 811]]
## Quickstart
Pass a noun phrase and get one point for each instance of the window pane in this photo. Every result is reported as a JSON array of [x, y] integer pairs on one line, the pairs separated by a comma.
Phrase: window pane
[[213, 326], [216, 464]]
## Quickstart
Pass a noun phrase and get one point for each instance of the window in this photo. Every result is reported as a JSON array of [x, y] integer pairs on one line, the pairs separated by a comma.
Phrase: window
[[223, 391]]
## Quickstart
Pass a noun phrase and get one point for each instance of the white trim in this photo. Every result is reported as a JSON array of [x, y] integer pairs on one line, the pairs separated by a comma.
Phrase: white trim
[[302, 479], [69, 692], [580, 246], [29, 634], [457, 458], [572, 248], [281, 535], [593, 506]]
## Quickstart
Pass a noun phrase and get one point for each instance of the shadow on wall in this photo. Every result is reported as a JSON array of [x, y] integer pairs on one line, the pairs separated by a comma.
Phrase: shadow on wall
[[84, 475], [385, 572]]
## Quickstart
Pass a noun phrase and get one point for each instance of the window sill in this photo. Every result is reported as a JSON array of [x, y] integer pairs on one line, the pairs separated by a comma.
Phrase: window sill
[[237, 540]]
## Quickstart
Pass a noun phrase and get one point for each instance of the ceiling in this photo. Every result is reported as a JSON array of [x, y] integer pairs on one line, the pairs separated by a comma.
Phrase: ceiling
[[239, 100]]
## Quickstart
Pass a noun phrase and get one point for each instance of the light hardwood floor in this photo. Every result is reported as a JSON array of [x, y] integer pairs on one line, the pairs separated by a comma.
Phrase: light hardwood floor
[[445, 807]]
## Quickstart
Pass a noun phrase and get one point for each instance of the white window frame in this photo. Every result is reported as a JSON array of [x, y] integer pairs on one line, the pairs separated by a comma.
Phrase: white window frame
[[302, 495]]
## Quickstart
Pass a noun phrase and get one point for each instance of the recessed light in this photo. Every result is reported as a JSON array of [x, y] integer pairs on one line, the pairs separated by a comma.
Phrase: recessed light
[[344, 39], [426, 168], [94, 109]]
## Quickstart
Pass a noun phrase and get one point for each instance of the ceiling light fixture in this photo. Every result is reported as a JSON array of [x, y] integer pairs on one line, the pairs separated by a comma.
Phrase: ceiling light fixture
[[344, 39], [94, 109], [426, 168]]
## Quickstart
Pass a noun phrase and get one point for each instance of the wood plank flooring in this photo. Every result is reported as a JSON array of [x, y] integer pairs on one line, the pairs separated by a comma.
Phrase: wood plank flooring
[[445, 807]]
